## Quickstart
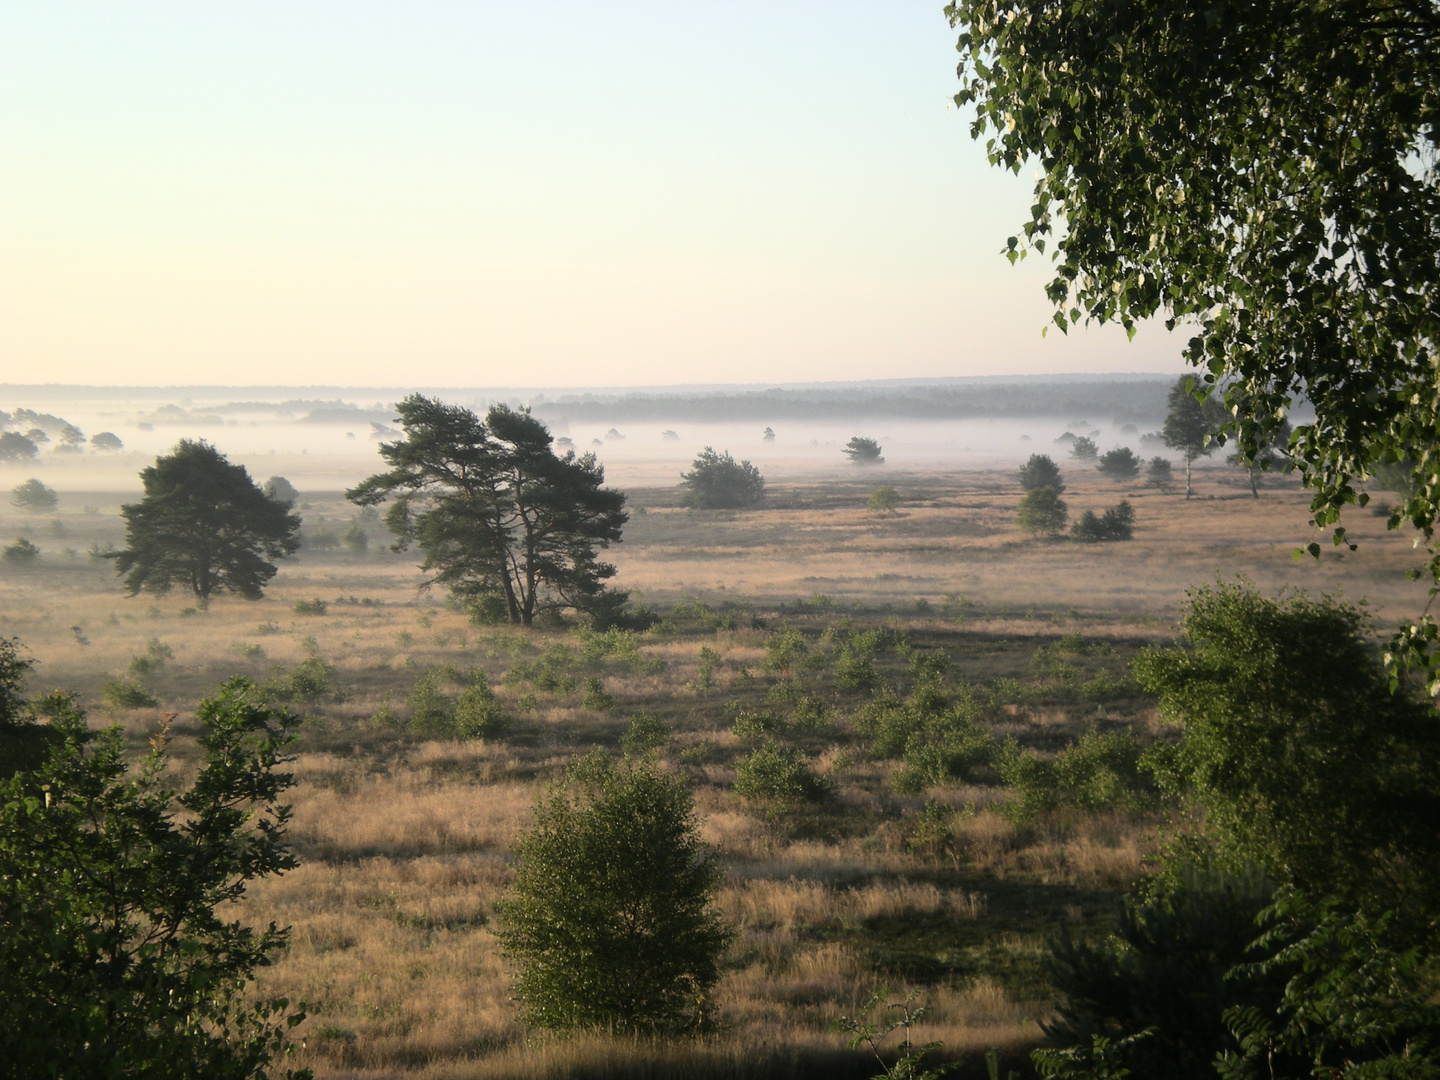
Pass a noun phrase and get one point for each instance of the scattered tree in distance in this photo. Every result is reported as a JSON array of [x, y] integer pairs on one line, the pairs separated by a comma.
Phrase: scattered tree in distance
[[1120, 464], [106, 440], [1190, 425], [1116, 523], [719, 482], [1159, 473], [17, 447], [883, 500], [34, 496], [282, 491], [204, 525], [1084, 448], [1041, 471], [495, 511], [863, 451]]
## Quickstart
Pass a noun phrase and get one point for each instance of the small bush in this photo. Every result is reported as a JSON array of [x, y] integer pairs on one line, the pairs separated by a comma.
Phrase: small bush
[[478, 714], [153, 660], [487, 609], [310, 607], [776, 774], [596, 696], [855, 670], [21, 553], [863, 451], [883, 500], [757, 727], [1117, 523], [1159, 473], [1121, 464], [125, 694], [1099, 772], [644, 735], [783, 650], [310, 681]]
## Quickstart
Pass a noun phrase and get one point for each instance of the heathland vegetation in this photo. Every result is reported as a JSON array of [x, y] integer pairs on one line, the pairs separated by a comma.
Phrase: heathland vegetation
[[914, 749]]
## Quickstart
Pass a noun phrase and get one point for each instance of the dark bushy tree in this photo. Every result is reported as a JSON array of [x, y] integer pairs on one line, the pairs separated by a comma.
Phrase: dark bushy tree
[[119, 954], [1190, 425], [1120, 464], [1116, 523], [281, 490], [1084, 449], [719, 482], [496, 511], [106, 440], [204, 525], [1159, 473], [863, 451], [35, 496], [610, 920], [1039, 472]]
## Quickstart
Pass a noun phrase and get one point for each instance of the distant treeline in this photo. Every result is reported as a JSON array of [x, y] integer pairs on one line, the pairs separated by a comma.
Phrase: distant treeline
[[1123, 401]]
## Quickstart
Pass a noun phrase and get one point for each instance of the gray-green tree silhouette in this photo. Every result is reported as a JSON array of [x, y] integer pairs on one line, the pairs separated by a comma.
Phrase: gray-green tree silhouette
[[719, 482]]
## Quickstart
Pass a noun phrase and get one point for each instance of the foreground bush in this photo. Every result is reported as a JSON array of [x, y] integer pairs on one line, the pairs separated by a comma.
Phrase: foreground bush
[[609, 922], [113, 958]]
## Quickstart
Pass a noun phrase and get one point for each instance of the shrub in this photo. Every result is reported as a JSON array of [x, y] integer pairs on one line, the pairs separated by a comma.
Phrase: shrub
[[120, 953], [356, 539], [1042, 512], [153, 660], [863, 451], [753, 727], [1083, 449], [783, 650], [1041, 472], [610, 920], [310, 607], [1121, 464], [34, 496], [1117, 523], [125, 694], [854, 669], [596, 696], [645, 735], [775, 774], [20, 553], [478, 714], [719, 482], [1159, 473], [883, 500], [1099, 772], [310, 681]]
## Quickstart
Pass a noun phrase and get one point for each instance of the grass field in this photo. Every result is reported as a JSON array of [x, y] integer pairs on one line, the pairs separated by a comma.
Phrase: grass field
[[405, 840]]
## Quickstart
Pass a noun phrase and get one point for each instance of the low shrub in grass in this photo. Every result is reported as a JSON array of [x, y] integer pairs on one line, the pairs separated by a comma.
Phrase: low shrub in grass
[[444, 704], [310, 682], [779, 775], [310, 607], [939, 736], [645, 734], [1101, 771], [1116, 523], [126, 694]]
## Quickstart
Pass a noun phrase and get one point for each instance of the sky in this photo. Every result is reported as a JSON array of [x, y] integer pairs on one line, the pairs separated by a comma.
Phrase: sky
[[488, 194]]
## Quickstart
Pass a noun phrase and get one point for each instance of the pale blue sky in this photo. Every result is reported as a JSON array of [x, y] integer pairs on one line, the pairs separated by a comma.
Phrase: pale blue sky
[[492, 194]]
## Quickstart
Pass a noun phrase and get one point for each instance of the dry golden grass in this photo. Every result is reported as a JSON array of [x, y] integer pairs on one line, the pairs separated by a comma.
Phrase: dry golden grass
[[405, 844]]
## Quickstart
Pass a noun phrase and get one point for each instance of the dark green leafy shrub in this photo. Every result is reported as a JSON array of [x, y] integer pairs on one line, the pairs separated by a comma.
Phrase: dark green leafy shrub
[[1120, 464], [21, 553], [311, 681], [1160, 473], [855, 670], [1084, 449], [939, 737], [883, 500], [310, 607], [1102, 771], [478, 714], [757, 727], [152, 661], [596, 696], [1041, 472], [775, 774], [1116, 523], [610, 921], [719, 482], [863, 451], [1042, 512], [784, 649], [115, 956], [487, 609], [125, 694], [645, 735]]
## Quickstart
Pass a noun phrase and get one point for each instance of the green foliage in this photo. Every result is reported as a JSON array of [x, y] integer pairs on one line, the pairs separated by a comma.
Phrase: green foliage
[[487, 609], [281, 490], [1299, 241], [21, 553], [596, 696], [152, 661], [1121, 464], [757, 727], [610, 920], [646, 734], [1359, 999], [202, 524], [779, 775], [872, 1034], [1268, 451], [106, 440], [939, 736], [114, 953], [118, 694], [355, 538], [1101, 771], [784, 649], [1191, 424], [311, 681], [34, 496], [447, 705], [1101, 1060], [310, 607], [932, 835], [495, 510], [883, 500], [1042, 512], [1116, 523], [1293, 745], [1159, 473], [1167, 970], [1041, 472], [1084, 449], [863, 451], [719, 482]]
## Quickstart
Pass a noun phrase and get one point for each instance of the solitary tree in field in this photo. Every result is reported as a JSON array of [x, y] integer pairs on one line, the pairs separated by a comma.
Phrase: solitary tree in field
[[1042, 512], [883, 500], [1041, 471], [495, 511], [1121, 464], [1084, 449], [34, 496], [863, 451], [719, 482], [1159, 473], [610, 921], [1190, 425], [204, 525]]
